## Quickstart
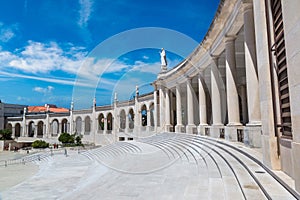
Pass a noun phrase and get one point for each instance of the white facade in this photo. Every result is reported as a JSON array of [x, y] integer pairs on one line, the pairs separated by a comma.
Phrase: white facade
[[232, 86]]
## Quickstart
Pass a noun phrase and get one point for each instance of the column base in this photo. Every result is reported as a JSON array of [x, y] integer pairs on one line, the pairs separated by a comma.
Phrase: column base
[[150, 128], [231, 133], [296, 161], [201, 129], [179, 128], [216, 130], [286, 156], [191, 129], [252, 136], [270, 156], [168, 127]]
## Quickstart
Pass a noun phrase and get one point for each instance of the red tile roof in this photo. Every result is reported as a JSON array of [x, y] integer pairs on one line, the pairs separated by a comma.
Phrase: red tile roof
[[52, 108]]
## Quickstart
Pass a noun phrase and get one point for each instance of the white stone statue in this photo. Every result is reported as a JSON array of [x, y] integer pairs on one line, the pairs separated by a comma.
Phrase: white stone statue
[[116, 96], [163, 58], [94, 101], [137, 91], [72, 105]]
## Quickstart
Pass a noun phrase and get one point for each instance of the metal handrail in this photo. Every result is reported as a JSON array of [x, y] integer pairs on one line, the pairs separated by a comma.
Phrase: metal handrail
[[37, 156]]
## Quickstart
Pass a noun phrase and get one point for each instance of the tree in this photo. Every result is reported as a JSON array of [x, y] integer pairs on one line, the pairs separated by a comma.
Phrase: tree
[[78, 140], [5, 134], [40, 144], [66, 138]]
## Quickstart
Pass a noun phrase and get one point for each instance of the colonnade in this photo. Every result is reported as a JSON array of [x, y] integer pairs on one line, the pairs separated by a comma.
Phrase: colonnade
[[230, 80]]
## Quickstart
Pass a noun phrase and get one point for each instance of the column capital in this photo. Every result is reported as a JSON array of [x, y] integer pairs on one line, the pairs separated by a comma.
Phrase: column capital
[[201, 74], [229, 38], [247, 7], [154, 84], [189, 79], [214, 58], [246, 2]]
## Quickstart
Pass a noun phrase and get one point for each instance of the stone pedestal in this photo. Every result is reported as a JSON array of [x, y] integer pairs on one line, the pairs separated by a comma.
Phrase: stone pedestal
[[191, 129], [179, 128], [168, 127], [148, 128], [286, 156], [270, 156], [252, 136], [231, 132], [296, 166], [201, 129], [215, 130], [164, 69]]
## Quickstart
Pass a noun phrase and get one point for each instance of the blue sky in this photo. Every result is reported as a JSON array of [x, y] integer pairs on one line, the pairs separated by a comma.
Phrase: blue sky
[[54, 51]]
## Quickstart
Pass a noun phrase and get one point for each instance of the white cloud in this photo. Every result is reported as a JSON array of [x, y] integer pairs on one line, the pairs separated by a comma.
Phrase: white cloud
[[153, 68], [23, 99], [6, 35], [6, 57], [37, 61], [45, 79], [38, 57], [45, 91], [7, 32], [84, 12]]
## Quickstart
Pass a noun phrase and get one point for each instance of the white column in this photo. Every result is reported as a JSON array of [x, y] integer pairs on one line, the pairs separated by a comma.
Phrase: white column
[[291, 19], [115, 123], [178, 127], [216, 93], [13, 131], [251, 68], [202, 105], [71, 119], [137, 114], [190, 128], [172, 122], [148, 119], [161, 108], [82, 127], [269, 141], [24, 127], [155, 109], [127, 122], [44, 131], [35, 131], [168, 110], [47, 127], [242, 91], [216, 99], [26, 130], [59, 127], [105, 125], [232, 94], [202, 101], [252, 133], [94, 124]]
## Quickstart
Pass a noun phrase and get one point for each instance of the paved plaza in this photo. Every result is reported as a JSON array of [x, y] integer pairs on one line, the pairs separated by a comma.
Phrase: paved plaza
[[164, 166]]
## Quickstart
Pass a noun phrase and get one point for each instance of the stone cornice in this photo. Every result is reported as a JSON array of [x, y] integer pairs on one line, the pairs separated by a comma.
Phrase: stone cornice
[[227, 21]]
